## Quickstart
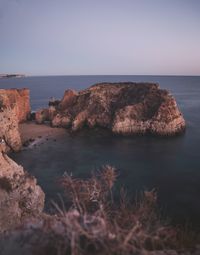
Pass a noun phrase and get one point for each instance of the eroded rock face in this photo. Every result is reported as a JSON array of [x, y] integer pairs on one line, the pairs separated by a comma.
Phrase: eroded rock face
[[18, 100], [20, 196], [125, 108], [14, 108], [41, 116], [9, 130], [68, 99]]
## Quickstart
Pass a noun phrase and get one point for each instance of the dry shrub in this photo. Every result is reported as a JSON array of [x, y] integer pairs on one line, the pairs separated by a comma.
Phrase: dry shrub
[[90, 195], [95, 224]]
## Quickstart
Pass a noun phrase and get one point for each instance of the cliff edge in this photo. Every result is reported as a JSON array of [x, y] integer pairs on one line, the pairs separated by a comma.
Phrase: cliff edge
[[14, 108], [18, 100], [20, 196]]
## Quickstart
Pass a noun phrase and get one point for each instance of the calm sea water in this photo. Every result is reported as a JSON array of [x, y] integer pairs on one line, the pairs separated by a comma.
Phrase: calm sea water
[[172, 166]]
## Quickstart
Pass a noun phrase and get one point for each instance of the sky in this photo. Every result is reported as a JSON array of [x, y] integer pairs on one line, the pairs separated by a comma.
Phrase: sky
[[94, 37]]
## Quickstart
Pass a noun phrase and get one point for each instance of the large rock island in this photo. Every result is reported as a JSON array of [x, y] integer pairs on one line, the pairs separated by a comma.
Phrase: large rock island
[[125, 108]]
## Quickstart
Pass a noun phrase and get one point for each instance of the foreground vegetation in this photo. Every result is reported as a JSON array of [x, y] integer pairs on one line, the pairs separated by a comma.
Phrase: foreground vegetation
[[95, 224]]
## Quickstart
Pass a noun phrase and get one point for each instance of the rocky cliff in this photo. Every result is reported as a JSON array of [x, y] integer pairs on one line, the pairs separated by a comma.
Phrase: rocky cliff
[[125, 108], [18, 100], [9, 131], [14, 108], [20, 196]]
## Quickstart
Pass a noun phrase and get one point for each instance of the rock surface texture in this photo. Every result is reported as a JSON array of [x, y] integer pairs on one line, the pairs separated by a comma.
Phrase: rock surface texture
[[20, 197], [125, 108], [18, 100], [14, 108]]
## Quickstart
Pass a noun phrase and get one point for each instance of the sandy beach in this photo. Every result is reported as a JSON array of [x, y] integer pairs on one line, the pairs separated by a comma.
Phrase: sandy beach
[[33, 134]]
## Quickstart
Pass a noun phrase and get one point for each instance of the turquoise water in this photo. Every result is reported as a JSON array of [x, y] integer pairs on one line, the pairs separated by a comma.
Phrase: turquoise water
[[171, 165]]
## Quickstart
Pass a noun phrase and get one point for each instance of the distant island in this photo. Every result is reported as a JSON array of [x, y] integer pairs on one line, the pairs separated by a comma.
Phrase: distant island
[[11, 76]]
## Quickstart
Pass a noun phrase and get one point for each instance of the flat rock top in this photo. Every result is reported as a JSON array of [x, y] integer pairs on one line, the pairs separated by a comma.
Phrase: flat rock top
[[125, 84], [125, 90]]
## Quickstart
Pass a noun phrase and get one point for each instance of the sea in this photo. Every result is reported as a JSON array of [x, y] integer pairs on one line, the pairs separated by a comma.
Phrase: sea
[[171, 166]]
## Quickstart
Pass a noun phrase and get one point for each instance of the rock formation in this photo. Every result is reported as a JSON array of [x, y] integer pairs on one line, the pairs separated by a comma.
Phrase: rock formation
[[125, 108], [18, 100], [41, 116], [20, 196], [9, 131], [14, 108]]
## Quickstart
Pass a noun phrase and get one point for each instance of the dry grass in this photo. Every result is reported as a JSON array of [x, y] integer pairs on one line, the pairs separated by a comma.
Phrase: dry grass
[[90, 195], [95, 224]]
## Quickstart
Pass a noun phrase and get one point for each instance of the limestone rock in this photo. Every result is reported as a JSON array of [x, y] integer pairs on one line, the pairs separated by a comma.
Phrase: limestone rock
[[68, 99], [61, 120], [51, 112], [125, 108], [9, 130], [14, 108], [41, 116], [20, 197], [18, 100]]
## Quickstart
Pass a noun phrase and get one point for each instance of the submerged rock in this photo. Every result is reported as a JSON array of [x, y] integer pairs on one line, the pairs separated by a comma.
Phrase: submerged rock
[[20, 196], [125, 108]]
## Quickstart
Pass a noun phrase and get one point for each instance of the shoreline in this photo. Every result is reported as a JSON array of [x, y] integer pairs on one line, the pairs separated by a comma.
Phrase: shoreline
[[33, 134]]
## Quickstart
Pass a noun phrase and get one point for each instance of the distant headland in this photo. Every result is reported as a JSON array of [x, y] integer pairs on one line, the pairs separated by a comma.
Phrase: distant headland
[[11, 76]]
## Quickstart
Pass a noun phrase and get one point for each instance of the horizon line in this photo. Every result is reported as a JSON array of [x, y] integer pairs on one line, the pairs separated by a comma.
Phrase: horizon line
[[43, 75], [40, 75]]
